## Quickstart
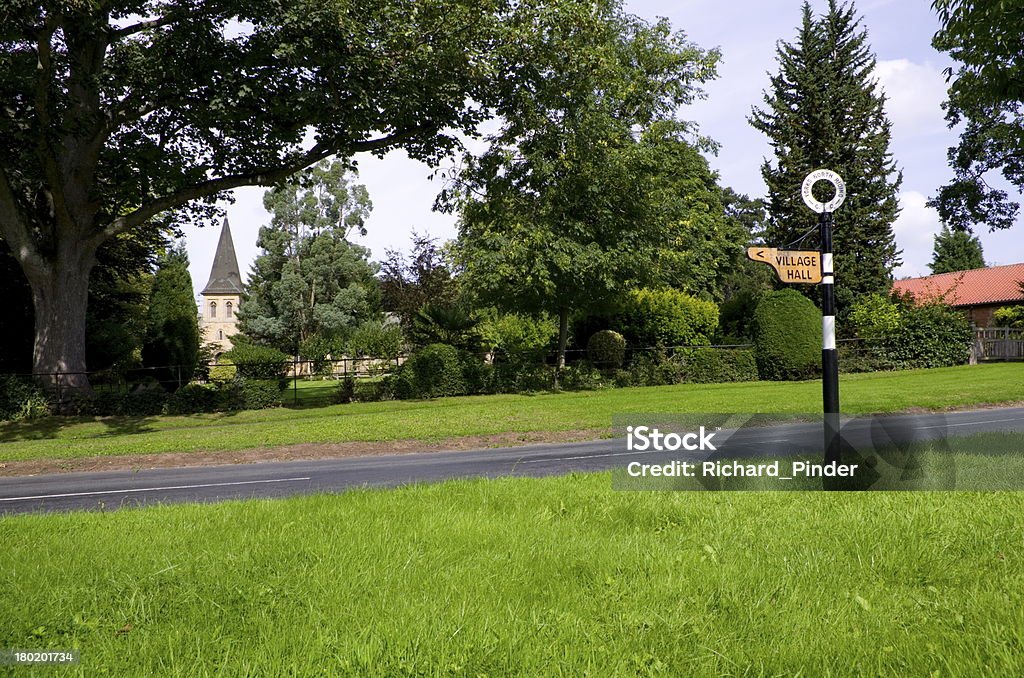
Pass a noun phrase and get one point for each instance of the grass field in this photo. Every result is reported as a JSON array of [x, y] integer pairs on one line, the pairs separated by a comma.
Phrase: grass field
[[483, 415], [561, 576]]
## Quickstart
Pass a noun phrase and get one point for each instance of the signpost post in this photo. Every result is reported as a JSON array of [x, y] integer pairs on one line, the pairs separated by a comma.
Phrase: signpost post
[[810, 267], [829, 358]]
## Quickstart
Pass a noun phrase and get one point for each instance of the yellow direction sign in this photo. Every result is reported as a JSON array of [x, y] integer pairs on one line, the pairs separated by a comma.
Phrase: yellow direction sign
[[793, 266]]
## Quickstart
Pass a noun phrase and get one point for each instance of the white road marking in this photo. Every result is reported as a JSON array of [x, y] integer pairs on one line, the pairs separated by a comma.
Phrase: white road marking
[[153, 489], [969, 423]]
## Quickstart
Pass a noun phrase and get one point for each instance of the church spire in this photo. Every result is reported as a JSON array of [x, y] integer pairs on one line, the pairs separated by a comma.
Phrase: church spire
[[224, 277]]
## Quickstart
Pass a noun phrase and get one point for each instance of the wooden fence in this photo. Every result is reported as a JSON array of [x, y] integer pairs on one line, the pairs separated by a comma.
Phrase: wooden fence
[[997, 344]]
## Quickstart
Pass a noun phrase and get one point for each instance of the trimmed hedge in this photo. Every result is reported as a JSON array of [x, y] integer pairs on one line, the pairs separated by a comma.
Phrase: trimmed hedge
[[257, 362], [930, 335], [717, 366], [787, 336], [668, 317]]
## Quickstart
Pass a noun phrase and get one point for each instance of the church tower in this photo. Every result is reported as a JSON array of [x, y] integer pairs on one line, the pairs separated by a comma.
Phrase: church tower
[[222, 295]]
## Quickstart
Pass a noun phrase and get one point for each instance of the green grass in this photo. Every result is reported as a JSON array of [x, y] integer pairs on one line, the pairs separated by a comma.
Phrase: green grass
[[560, 576], [482, 415]]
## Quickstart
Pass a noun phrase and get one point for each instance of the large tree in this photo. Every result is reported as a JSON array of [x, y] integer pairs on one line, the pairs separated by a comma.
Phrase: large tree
[[824, 110], [567, 209], [956, 250], [310, 283], [986, 101], [126, 114]]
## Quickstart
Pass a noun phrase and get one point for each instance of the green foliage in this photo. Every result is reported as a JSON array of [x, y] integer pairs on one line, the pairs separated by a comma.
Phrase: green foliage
[[956, 251], [257, 394], [172, 327], [21, 400], [824, 110], [718, 366], [736, 318], [874, 316], [606, 349], [453, 324], [1009, 316], [434, 371], [568, 207], [787, 336], [310, 281], [253, 361], [317, 350], [407, 285], [376, 339], [517, 337], [668, 317], [174, 107], [929, 335], [985, 104]]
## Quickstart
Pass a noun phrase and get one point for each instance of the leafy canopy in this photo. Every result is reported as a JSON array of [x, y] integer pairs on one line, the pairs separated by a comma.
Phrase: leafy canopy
[[986, 98]]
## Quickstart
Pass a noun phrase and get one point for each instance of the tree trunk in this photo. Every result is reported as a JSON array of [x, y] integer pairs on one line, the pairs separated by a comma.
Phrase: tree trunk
[[563, 339], [60, 293]]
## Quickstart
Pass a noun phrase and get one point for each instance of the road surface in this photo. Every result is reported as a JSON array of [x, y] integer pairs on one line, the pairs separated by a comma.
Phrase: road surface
[[118, 489]]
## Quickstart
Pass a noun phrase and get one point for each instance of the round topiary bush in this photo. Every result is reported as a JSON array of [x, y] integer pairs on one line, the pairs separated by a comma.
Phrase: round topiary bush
[[787, 336], [670, 318], [607, 349]]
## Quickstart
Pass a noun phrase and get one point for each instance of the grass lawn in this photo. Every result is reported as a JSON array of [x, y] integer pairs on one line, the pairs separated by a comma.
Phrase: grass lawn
[[560, 576], [435, 420]]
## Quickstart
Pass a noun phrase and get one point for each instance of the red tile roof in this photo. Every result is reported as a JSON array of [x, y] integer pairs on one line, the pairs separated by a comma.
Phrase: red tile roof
[[993, 285]]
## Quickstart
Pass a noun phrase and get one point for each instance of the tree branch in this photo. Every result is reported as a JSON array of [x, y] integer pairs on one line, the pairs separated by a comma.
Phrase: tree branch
[[264, 176], [44, 74], [159, 22], [14, 229]]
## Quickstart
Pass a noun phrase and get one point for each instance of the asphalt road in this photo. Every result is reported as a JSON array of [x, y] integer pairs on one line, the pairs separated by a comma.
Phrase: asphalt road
[[119, 489]]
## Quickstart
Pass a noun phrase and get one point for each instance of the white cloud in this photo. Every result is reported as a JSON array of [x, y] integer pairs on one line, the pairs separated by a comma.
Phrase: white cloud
[[915, 231], [915, 94]]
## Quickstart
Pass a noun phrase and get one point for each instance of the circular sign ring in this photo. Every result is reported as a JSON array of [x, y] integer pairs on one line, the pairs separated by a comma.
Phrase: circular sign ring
[[832, 178]]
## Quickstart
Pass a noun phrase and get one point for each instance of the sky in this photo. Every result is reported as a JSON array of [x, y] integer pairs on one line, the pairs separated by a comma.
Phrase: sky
[[909, 71]]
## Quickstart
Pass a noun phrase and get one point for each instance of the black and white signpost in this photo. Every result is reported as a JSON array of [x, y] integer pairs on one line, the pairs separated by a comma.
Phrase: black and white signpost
[[829, 358]]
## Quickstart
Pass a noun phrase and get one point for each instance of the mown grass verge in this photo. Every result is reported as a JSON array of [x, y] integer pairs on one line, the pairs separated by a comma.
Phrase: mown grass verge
[[57, 438], [560, 576]]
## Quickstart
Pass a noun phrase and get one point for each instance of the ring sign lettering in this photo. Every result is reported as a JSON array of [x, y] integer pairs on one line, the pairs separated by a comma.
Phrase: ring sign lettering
[[832, 178]]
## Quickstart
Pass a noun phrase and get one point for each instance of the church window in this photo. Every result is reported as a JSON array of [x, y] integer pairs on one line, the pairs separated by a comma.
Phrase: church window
[[213, 309], [227, 310]]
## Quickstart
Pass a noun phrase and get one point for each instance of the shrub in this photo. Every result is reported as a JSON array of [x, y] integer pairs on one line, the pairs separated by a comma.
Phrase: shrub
[[929, 335], [519, 337], [607, 349], [735, 318], [257, 394], [1009, 316], [580, 377], [257, 362], [434, 371], [222, 373], [670, 318], [652, 369], [873, 316], [21, 400], [787, 336], [717, 366], [195, 398]]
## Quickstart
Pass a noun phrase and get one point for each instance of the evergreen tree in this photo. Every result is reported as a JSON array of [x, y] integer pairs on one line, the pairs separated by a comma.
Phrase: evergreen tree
[[823, 110], [171, 343], [956, 251], [310, 286]]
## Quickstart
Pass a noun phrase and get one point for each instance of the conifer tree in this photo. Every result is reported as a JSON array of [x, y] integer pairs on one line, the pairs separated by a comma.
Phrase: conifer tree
[[824, 110], [956, 250], [171, 344]]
